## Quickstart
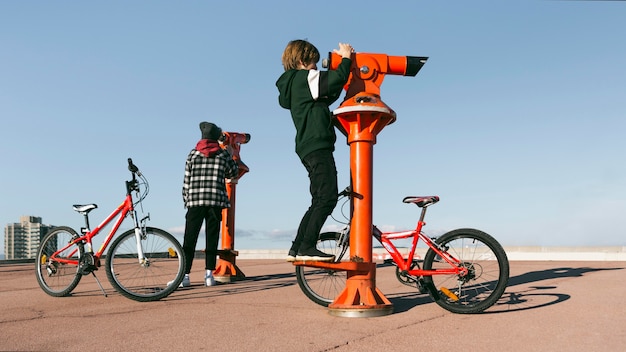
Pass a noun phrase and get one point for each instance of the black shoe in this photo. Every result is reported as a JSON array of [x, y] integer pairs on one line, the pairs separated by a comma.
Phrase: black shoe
[[314, 254]]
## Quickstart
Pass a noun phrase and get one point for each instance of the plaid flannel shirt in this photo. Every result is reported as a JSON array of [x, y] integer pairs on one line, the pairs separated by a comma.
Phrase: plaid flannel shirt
[[204, 183]]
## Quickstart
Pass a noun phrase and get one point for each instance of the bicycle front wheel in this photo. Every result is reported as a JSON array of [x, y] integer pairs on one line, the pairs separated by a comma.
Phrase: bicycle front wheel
[[56, 267], [487, 272], [152, 277], [322, 286]]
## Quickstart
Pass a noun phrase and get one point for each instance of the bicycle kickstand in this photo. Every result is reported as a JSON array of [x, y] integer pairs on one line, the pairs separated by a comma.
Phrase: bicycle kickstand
[[99, 284]]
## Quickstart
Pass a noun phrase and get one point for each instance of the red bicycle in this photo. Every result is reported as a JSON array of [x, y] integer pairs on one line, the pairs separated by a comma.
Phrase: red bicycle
[[464, 270], [143, 264]]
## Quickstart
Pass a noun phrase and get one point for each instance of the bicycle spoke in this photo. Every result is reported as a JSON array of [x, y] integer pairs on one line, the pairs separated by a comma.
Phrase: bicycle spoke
[[57, 268], [152, 277], [486, 271], [322, 286]]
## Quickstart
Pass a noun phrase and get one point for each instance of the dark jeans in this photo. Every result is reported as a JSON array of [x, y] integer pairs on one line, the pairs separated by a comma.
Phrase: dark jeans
[[320, 165], [193, 223]]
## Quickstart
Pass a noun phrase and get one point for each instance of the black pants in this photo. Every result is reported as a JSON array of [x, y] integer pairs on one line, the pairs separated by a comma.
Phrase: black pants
[[193, 223], [320, 165]]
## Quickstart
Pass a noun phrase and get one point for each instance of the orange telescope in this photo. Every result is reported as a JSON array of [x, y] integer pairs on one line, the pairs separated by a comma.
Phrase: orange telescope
[[226, 269], [368, 70], [235, 140], [361, 116], [232, 138]]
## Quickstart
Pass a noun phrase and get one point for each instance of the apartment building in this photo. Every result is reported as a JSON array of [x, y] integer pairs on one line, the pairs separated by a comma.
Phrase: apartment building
[[22, 239]]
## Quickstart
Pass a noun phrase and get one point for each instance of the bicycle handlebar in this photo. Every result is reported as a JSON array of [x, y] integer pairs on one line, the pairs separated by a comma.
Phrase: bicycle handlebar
[[133, 185], [347, 192], [133, 168]]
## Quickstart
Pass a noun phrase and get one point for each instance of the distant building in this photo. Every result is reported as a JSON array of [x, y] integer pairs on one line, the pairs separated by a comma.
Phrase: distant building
[[21, 240]]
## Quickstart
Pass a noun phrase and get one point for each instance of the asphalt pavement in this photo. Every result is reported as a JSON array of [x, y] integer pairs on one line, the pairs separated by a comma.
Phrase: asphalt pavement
[[548, 306]]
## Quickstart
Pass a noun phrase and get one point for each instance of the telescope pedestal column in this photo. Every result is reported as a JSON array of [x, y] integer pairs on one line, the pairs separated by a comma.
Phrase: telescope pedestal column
[[226, 269], [361, 297]]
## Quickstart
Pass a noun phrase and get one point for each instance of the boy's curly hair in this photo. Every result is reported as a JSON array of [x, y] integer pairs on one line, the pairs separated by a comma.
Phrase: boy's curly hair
[[299, 51]]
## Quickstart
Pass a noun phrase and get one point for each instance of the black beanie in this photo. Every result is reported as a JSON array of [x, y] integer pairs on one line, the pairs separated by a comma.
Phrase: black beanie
[[210, 131]]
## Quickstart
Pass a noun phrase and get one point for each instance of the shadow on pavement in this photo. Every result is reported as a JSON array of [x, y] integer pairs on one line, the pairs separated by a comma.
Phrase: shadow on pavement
[[530, 296], [527, 296], [247, 285]]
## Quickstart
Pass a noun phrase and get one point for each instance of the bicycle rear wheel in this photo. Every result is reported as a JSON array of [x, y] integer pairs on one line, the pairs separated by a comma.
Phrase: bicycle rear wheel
[[151, 278], [58, 275], [322, 286], [488, 272]]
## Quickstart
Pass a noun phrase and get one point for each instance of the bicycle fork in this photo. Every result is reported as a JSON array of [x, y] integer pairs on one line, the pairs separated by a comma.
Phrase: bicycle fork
[[140, 231]]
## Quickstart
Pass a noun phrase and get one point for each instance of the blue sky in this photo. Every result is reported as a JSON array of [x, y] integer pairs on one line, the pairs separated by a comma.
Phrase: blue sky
[[516, 120]]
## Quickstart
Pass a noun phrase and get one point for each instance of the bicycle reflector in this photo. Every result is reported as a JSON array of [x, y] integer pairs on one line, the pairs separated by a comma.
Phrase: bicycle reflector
[[449, 293]]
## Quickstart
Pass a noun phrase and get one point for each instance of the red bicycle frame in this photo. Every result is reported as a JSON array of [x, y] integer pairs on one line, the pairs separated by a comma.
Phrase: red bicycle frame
[[123, 210], [387, 238]]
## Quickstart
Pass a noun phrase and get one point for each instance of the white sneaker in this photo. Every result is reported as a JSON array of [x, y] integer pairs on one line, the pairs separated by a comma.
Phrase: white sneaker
[[209, 280], [185, 283], [291, 257], [314, 254]]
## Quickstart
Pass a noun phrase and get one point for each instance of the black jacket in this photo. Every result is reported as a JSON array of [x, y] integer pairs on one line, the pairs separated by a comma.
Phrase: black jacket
[[308, 95]]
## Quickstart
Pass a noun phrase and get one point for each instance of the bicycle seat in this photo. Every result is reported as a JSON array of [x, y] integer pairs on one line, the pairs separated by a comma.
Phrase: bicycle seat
[[422, 201], [84, 209]]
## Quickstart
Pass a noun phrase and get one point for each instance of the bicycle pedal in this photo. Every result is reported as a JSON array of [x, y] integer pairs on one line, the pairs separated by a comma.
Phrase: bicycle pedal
[[50, 270]]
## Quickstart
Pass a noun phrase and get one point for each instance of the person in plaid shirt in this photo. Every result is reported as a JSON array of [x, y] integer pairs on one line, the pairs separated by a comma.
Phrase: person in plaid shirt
[[205, 195]]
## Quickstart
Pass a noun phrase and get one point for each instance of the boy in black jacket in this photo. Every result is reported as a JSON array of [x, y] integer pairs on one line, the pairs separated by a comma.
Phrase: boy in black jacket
[[308, 93]]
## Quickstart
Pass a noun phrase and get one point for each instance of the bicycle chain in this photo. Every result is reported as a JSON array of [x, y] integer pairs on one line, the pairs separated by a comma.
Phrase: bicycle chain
[[412, 281]]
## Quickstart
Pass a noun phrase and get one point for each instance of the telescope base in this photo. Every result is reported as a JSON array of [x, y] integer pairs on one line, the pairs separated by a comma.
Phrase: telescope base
[[365, 302], [227, 272], [361, 297]]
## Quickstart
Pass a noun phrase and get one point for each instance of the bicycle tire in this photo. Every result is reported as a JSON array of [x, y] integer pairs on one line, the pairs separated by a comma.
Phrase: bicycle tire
[[55, 278], [488, 275], [322, 286], [153, 279]]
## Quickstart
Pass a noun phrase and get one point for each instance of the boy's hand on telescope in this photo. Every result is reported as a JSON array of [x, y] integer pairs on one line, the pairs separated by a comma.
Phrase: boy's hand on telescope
[[345, 50]]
